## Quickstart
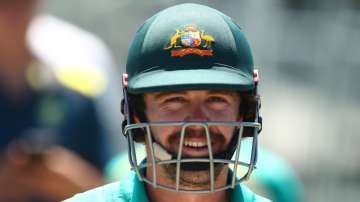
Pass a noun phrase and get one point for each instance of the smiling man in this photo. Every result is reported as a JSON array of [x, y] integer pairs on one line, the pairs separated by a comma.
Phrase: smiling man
[[191, 106], [190, 98]]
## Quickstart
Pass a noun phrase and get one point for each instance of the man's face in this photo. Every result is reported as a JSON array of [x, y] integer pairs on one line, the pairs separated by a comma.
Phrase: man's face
[[199, 106]]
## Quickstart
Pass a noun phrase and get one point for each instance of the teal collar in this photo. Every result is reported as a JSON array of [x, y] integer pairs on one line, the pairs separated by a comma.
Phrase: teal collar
[[139, 193], [133, 190]]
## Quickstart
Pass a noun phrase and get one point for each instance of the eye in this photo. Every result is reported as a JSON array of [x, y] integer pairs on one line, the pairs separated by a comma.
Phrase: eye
[[217, 99], [217, 102], [175, 100], [174, 103]]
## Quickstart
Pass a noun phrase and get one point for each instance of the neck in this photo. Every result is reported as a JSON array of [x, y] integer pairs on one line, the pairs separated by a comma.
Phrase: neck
[[161, 195]]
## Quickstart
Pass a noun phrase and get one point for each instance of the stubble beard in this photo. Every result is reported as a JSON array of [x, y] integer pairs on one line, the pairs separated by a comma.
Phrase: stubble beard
[[193, 179], [194, 174]]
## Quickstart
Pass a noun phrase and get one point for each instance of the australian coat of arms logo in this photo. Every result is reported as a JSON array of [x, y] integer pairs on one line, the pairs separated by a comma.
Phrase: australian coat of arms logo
[[190, 40]]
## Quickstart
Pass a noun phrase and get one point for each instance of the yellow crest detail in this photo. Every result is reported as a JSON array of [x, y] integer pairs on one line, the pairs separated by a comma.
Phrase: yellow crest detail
[[190, 40]]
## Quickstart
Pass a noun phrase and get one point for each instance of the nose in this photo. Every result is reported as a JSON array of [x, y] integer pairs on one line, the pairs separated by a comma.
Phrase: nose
[[197, 114]]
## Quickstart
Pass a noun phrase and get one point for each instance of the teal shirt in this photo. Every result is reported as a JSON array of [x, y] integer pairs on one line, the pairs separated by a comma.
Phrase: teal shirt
[[131, 189]]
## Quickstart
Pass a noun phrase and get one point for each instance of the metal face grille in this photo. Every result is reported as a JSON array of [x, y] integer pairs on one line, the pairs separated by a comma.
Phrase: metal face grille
[[152, 161]]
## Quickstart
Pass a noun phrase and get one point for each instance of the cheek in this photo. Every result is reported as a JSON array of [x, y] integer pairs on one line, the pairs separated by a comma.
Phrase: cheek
[[161, 133], [228, 132], [227, 115]]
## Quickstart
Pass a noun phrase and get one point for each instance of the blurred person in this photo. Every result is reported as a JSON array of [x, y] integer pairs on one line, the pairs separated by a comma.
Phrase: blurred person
[[190, 98], [54, 78]]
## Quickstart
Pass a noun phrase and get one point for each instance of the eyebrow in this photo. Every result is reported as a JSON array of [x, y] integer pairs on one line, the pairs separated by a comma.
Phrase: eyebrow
[[210, 92], [163, 94], [226, 92]]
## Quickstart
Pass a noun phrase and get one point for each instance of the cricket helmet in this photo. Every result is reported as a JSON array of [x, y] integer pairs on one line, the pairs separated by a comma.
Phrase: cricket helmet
[[188, 47]]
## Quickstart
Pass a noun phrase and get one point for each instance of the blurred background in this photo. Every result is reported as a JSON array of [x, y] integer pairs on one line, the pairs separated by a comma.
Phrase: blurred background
[[308, 55]]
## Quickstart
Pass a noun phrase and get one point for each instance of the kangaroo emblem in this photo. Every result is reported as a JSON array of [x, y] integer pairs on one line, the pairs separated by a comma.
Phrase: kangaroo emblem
[[208, 39], [190, 40], [174, 39]]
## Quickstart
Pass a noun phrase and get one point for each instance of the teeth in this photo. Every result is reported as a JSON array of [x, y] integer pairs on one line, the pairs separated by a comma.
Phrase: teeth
[[195, 144]]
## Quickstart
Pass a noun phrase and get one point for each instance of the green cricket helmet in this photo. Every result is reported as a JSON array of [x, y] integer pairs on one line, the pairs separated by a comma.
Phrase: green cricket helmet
[[188, 47]]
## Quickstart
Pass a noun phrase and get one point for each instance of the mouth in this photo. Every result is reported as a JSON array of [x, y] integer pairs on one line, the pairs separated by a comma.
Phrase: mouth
[[195, 147], [198, 148], [195, 144]]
